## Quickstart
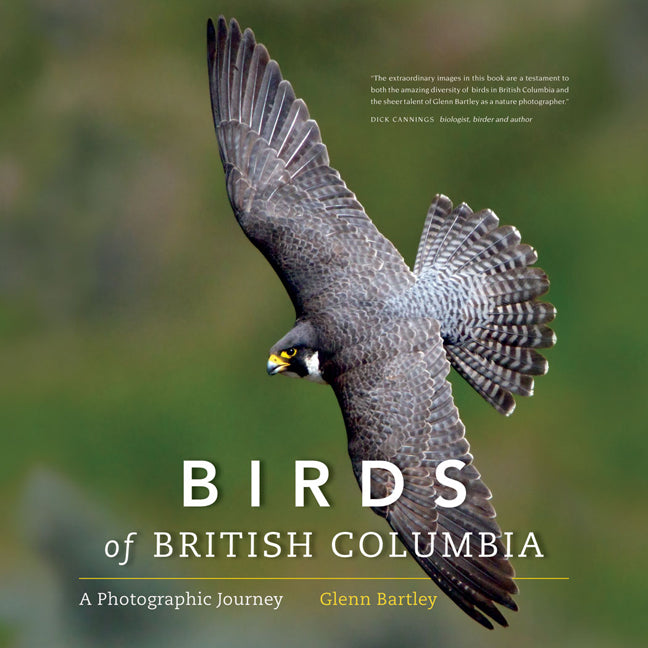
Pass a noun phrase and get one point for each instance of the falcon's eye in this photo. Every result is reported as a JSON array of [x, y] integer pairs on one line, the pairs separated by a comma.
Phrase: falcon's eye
[[289, 353]]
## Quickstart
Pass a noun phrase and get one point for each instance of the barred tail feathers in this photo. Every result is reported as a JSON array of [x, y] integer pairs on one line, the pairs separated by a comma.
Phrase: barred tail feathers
[[493, 345]]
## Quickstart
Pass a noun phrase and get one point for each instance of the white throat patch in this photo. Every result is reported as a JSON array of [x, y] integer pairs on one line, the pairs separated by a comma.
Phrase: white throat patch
[[314, 372]]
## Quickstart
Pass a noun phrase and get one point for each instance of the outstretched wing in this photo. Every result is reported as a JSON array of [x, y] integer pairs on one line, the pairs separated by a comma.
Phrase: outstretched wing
[[399, 408], [291, 204]]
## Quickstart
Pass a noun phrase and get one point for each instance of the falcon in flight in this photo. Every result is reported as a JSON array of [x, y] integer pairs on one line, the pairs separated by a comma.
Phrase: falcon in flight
[[382, 335]]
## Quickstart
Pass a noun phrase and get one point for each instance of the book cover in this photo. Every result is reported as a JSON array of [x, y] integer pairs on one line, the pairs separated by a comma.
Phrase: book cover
[[159, 488]]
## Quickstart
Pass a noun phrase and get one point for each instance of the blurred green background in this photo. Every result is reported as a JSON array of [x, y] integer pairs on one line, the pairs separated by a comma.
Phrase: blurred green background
[[135, 317]]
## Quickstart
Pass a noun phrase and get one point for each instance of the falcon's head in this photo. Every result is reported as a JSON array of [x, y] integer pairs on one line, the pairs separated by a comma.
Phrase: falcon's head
[[296, 355], [296, 362]]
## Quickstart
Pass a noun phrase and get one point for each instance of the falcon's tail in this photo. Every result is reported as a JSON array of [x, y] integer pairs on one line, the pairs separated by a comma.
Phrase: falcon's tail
[[495, 323]]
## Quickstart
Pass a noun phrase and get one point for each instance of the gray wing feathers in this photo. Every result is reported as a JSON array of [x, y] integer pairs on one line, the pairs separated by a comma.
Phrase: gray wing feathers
[[399, 408], [256, 112], [474, 277], [291, 204]]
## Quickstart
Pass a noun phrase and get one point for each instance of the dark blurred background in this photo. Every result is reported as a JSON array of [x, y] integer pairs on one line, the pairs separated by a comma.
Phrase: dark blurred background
[[135, 317]]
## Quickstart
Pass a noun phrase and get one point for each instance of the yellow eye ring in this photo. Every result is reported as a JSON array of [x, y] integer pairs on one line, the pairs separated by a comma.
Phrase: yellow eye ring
[[289, 353]]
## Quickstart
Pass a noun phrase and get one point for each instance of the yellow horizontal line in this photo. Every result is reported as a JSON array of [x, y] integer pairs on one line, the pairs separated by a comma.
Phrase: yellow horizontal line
[[291, 578]]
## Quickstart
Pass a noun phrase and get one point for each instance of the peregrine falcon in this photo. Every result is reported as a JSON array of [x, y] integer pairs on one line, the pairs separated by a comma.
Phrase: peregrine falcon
[[381, 335]]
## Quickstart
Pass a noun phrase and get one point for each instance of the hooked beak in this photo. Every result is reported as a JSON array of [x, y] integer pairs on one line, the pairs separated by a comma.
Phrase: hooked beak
[[276, 365]]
